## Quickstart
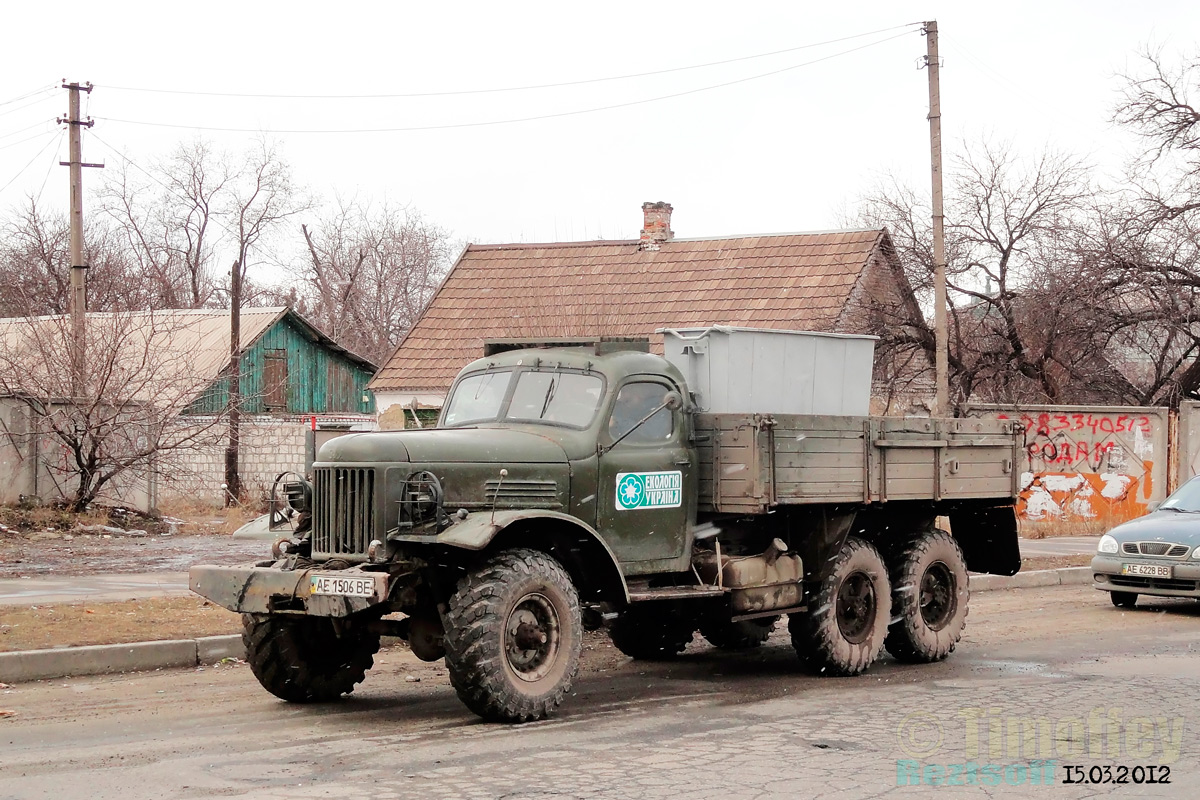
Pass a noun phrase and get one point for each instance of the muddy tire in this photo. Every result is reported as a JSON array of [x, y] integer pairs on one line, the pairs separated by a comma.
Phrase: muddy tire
[[842, 633], [743, 635], [651, 634], [513, 636], [303, 659], [930, 597], [1123, 599]]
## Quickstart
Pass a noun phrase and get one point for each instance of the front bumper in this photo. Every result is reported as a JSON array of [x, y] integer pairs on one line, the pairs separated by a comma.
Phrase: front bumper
[[251, 589], [1184, 580]]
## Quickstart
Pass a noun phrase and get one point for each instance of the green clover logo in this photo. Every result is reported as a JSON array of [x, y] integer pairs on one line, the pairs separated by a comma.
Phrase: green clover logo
[[630, 491]]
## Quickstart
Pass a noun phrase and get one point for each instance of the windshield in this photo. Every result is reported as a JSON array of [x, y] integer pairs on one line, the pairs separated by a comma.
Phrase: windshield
[[1186, 497], [559, 397], [477, 398], [570, 398]]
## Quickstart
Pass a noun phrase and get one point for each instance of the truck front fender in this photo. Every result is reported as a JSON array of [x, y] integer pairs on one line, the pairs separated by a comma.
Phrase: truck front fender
[[587, 557]]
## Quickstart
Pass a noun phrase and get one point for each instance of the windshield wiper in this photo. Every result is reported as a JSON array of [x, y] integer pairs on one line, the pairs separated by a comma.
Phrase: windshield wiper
[[549, 396]]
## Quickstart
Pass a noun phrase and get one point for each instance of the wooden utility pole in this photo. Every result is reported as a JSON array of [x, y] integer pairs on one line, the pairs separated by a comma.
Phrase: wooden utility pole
[[77, 300], [941, 343], [233, 478]]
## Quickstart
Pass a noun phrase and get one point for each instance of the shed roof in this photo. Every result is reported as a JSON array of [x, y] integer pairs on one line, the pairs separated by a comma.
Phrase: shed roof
[[191, 345], [621, 288]]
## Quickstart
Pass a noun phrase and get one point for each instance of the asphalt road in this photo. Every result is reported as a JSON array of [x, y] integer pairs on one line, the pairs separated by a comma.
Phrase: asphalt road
[[1043, 674]]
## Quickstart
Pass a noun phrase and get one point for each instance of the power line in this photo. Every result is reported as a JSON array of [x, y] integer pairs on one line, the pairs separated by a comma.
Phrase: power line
[[508, 88], [22, 130], [27, 166], [19, 98], [536, 118], [30, 104], [49, 169]]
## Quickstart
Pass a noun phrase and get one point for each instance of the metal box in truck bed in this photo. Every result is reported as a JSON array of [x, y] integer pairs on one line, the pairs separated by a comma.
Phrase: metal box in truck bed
[[750, 462], [732, 370]]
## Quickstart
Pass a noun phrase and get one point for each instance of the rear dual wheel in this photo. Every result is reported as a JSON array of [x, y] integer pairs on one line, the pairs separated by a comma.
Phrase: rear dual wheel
[[930, 596]]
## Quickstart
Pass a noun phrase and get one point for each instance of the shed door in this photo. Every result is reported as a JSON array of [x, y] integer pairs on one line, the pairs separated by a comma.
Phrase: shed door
[[275, 380]]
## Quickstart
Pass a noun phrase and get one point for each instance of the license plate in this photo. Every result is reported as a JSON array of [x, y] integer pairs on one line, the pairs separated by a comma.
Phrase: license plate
[[343, 587], [1149, 570]]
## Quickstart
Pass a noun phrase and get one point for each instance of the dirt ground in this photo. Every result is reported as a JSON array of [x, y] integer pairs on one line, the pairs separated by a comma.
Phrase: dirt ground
[[75, 624]]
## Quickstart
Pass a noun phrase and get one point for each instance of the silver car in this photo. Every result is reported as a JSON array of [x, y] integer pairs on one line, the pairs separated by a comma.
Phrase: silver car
[[1158, 554]]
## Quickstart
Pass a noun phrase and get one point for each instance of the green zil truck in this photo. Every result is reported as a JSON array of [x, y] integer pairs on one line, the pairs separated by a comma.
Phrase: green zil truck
[[569, 488]]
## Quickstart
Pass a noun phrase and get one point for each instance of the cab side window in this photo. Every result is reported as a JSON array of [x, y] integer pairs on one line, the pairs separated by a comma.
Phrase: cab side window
[[635, 401]]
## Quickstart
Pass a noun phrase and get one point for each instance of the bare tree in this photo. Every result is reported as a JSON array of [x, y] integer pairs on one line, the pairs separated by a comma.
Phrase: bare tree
[[35, 265], [138, 378], [1014, 235], [370, 274], [1155, 242], [167, 219]]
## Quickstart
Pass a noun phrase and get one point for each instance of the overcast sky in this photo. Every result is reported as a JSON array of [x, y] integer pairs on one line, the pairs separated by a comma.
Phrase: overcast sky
[[785, 152]]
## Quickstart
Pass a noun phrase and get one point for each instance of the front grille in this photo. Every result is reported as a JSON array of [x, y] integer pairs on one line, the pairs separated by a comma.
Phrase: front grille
[[1165, 549], [343, 511], [522, 494], [1143, 582]]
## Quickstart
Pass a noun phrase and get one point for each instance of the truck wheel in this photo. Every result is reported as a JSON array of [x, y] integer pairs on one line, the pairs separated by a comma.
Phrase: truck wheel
[[513, 636], [842, 632], [303, 659], [743, 635], [1123, 599], [650, 634], [930, 595]]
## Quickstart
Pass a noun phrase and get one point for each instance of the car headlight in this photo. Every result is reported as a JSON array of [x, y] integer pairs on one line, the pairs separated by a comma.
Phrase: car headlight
[[1196, 553], [1107, 544]]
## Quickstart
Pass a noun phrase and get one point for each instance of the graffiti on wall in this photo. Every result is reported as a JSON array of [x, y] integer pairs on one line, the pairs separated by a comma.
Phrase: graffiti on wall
[[1086, 465]]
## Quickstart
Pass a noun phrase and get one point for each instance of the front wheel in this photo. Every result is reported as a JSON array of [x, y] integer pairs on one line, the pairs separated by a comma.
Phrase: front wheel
[[930, 597], [1124, 599], [842, 632], [513, 636], [307, 659]]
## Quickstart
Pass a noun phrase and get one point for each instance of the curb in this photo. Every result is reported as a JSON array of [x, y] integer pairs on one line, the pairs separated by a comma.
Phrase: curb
[[104, 659], [1066, 576], [33, 665]]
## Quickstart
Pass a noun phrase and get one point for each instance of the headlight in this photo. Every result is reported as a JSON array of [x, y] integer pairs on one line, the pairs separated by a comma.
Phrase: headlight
[[1107, 544], [1196, 552]]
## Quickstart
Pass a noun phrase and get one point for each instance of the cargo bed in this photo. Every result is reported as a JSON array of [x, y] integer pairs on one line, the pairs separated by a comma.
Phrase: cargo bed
[[752, 462]]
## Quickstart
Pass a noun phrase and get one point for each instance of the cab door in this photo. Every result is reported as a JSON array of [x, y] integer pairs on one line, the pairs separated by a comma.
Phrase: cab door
[[647, 480]]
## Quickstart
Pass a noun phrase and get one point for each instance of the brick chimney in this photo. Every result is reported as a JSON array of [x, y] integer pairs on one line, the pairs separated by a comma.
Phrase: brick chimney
[[656, 227]]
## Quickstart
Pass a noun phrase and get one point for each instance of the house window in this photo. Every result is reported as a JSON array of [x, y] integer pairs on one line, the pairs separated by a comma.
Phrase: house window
[[275, 380]]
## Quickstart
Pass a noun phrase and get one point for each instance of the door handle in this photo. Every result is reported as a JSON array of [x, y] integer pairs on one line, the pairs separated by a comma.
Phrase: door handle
[[684, 463]]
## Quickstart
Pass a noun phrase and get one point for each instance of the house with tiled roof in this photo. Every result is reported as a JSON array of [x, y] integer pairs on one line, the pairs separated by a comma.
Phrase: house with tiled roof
[[830, 281]]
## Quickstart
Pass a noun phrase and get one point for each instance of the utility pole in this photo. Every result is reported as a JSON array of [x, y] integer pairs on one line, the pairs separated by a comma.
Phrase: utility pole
[[941, 365], [77, 300], [233, 478]]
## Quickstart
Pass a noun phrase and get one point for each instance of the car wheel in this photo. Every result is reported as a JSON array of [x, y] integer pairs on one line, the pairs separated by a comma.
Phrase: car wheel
[[1123, 599]]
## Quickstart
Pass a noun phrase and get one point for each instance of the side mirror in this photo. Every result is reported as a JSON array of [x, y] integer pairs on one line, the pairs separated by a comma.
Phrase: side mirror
[[673, 401]]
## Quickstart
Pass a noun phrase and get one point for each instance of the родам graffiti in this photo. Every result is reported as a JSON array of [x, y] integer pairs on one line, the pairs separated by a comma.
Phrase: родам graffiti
[[1085, 466]]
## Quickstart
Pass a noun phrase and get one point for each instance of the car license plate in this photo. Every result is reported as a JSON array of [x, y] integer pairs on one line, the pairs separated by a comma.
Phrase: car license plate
[[344, 587], [1149, 570]]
